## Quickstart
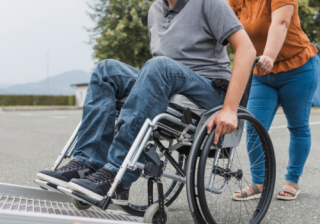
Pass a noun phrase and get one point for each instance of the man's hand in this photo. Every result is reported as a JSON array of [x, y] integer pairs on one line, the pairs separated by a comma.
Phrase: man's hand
[[265, 63], [226, 121]]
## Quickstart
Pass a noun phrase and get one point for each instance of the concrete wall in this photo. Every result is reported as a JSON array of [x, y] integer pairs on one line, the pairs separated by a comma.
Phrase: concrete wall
[[81, 95]]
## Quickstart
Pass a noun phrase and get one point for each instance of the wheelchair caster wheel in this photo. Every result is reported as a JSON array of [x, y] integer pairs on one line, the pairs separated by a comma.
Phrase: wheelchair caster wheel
[[152, 215], [80, 205]]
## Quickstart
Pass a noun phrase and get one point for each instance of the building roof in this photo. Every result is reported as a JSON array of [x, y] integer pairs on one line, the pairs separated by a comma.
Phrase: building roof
[[80, 84]]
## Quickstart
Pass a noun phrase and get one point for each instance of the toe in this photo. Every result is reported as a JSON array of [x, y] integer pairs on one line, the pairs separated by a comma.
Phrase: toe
[[237, 195]]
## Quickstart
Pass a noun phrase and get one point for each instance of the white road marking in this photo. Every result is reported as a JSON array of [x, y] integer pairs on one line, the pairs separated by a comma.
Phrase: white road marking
[[280, 115], [278, 127]]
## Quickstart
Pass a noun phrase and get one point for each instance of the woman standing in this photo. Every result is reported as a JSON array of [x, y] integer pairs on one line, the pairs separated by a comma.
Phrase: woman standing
[[286, 75]]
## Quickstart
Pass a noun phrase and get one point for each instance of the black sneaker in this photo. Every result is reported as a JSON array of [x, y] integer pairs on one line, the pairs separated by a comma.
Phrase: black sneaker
[[61, 177], [98, 184]]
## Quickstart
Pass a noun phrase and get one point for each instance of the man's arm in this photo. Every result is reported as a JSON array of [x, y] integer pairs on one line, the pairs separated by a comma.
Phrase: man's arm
[[226, 120]]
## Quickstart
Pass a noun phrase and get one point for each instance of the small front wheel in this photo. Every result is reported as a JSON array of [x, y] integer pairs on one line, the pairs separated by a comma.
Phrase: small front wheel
[[152, 215], [80, 205]]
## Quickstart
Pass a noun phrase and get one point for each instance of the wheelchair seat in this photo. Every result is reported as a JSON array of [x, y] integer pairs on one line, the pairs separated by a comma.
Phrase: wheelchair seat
[[177, 104], [183, 101]]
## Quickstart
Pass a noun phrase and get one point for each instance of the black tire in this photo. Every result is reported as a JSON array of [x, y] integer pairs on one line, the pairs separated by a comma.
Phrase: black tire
[[80, 205], [221, 207], [172, 189], [152, 215]]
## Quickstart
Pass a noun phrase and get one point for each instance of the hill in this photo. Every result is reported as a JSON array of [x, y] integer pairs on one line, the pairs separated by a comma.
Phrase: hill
[[58, 85]]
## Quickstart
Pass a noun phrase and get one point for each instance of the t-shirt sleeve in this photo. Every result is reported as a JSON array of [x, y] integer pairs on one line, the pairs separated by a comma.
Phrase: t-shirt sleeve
[[221, 20], [275, 4]]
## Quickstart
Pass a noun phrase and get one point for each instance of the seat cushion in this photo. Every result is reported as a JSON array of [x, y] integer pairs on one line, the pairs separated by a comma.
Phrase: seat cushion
[[177, 102], [183, 101]]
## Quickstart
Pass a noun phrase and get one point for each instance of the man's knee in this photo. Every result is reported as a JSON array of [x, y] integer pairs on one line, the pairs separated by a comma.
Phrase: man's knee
[[157, 66], [108, 63], [159, 61], [104, 69]]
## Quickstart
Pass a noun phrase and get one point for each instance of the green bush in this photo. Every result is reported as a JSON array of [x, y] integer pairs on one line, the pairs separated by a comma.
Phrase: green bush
[[36, 100]]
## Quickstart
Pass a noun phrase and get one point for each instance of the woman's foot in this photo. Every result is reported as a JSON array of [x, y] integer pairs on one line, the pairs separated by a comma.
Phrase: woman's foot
[[289, 191], [253, 191]]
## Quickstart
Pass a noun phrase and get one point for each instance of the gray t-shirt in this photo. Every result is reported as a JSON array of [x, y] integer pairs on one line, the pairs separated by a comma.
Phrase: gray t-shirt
[[194, 33]]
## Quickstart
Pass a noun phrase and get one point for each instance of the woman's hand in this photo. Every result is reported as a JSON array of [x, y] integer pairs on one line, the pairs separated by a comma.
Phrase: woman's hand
[[265, 63]]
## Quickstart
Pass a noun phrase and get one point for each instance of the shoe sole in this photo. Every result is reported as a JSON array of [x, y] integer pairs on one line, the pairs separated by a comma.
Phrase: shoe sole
[[98, 197], [256, 196], [53, 180]]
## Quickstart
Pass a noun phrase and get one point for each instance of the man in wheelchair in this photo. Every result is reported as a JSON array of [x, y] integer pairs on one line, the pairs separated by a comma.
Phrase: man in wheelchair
[[187, 42]]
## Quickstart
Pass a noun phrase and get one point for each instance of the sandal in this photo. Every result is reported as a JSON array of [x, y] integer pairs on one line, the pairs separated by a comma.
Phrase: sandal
[[256, 193], [286, 190]]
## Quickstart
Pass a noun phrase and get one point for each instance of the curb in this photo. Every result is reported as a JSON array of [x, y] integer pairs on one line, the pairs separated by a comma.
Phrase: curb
[[39, 108]]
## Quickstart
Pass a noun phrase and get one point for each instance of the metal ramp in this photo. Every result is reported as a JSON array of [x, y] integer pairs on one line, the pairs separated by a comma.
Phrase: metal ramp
[[19, 204]]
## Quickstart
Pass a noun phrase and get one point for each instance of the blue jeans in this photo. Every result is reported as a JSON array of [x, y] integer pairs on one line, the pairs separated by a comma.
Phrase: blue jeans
[[293, 90], [148, 91]]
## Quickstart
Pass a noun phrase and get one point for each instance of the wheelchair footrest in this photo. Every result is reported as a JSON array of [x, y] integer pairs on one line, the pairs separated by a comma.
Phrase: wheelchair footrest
[[47, 186], [103, 204]]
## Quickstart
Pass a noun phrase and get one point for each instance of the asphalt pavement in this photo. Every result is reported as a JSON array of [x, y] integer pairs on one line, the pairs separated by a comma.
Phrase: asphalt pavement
[[32, 140]]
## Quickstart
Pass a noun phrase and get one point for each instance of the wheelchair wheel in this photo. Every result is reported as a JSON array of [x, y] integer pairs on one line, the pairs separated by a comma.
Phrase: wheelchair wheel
[[138, 195], [215, 179], [80, 205], [152, 215]]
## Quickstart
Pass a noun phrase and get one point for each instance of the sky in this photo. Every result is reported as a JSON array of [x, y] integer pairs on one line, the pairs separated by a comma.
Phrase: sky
[[32, 29]]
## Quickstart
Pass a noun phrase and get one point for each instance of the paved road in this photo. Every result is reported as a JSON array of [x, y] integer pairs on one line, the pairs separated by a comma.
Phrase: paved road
[[31, 140]]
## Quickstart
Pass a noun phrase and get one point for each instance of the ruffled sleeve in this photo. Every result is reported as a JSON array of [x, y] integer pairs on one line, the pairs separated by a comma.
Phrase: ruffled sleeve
[[275, 4], [232, 5]]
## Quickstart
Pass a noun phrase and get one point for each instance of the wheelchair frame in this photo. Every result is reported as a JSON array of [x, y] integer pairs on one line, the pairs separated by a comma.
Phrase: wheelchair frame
[[148, 131]]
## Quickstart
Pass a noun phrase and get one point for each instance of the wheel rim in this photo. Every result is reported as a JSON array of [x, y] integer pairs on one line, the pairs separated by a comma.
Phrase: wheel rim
[[215, 197], [155, 218]]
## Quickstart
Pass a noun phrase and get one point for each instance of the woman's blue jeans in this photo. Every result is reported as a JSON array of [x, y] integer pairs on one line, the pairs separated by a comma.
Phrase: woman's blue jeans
[[293, 90], [148, 91]]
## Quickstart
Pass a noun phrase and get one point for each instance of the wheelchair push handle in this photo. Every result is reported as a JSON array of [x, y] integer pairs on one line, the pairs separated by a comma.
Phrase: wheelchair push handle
[[245, 97]]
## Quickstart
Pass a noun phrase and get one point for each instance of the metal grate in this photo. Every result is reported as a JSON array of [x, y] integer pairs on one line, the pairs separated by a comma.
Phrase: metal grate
[[22, 204]]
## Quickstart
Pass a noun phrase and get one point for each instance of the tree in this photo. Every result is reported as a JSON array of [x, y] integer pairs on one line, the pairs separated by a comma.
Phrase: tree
[[310, 20], [121, 30]]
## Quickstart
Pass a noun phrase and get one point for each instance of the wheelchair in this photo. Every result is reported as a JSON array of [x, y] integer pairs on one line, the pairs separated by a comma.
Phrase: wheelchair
[[179, 152]]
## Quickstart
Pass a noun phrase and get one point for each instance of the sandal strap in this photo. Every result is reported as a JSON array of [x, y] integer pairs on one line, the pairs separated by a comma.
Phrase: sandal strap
[[286, 190], [292, 184], [255, 189], [252, 187]]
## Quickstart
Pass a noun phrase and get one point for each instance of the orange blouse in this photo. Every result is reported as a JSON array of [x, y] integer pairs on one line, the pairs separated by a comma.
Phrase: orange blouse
[[255, 15]]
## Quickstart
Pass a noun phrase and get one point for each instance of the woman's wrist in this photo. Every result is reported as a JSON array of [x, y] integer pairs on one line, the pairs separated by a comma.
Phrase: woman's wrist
[[271, 57]]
